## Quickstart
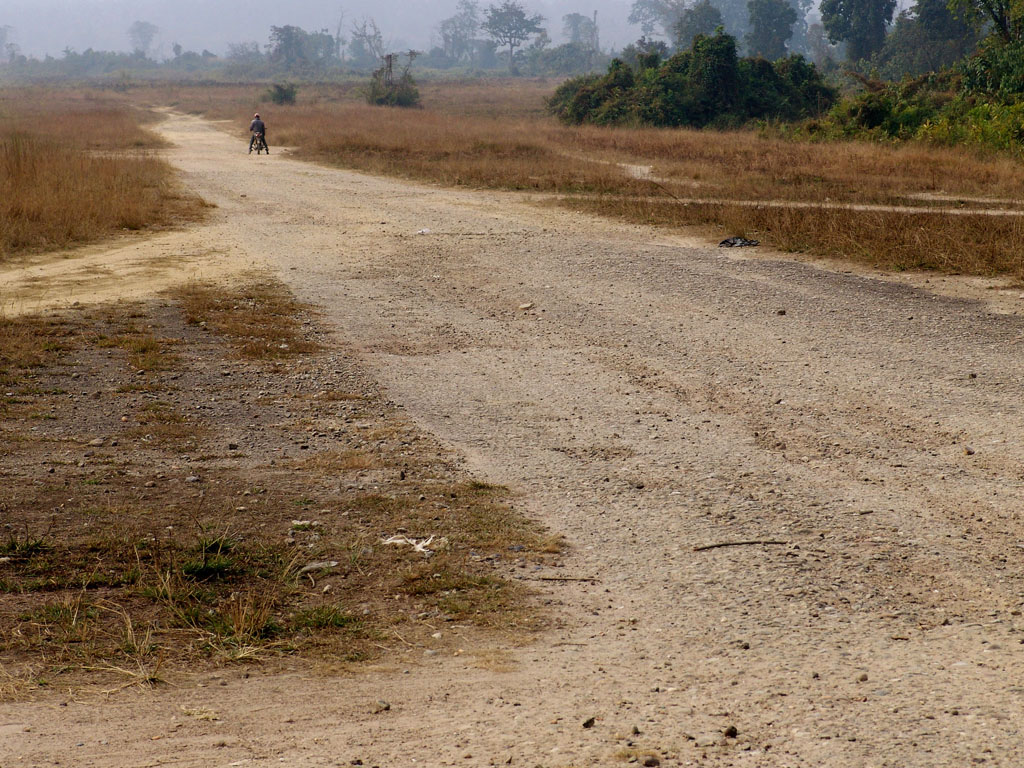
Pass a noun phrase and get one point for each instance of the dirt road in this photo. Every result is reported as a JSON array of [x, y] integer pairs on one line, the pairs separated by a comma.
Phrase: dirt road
[[645, 397]]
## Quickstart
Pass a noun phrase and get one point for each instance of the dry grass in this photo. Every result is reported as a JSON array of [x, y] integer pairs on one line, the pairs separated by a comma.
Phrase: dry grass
[[955, 244], [496, 135], [179, 539], [261, 319], [71, 172]]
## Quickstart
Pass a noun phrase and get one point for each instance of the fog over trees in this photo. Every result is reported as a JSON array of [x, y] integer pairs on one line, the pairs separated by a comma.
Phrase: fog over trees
[[47, 27]]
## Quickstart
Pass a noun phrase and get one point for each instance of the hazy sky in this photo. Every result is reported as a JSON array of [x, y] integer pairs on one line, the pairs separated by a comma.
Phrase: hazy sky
[[48, 26]]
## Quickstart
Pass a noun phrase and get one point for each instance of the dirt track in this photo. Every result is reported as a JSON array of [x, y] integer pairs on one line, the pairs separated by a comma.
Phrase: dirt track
[[656, 397]]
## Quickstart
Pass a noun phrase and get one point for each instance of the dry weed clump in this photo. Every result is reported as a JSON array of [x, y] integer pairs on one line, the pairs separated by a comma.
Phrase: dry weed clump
[[71, 172], [260, 319]]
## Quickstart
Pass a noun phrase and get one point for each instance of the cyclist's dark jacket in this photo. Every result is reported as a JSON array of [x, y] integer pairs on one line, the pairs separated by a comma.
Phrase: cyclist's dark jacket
[[257, 126]]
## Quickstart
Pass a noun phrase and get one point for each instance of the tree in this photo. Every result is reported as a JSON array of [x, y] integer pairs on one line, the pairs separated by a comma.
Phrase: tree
[[508, 24], [644, 54], [367, 44], [771, 25], [286, 46], [702, 19], [386, 91], [651, 14], [245, 53], [821, 51], [141, 34], [457, 32], [339, 39], [1006, 17], [580, 30], [926, 38], [861, 23], [800, 42]]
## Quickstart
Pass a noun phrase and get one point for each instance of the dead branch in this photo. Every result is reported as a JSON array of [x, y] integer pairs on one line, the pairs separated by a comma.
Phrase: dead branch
[[737, 544]]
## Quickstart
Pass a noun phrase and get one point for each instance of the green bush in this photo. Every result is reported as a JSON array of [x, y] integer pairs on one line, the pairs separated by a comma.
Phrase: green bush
[[386, 91], [708, 85], [282, 93]]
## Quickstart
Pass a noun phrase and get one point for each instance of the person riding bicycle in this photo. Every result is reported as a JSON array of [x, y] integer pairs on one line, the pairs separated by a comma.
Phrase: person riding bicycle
[[258, 128]]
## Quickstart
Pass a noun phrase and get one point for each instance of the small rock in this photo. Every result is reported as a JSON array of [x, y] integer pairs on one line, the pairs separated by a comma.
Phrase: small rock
[[382, 706], [150, 484], [780, 312], [706, 740], [97, 442], [192, 479], [730, 732], [588, 723], [651, 760], [968, 451], [232, 446], [527, 305], [636, 731], [863, 677]]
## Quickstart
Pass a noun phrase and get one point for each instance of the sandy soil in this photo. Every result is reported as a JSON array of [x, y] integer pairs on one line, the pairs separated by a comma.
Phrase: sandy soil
[[646, 396]]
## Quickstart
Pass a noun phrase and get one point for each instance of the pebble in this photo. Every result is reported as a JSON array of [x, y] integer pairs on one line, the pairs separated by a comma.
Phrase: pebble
[[192, 479], [97, 442], [730, 732], [651, 760], [588, 723]]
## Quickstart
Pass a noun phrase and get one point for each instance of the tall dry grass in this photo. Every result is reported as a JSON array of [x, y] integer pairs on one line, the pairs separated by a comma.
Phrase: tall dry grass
[[496, 135], [958, 244], [71, 171]]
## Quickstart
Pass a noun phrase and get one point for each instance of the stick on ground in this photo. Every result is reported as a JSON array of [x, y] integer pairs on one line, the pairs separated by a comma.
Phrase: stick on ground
[[737, 544]]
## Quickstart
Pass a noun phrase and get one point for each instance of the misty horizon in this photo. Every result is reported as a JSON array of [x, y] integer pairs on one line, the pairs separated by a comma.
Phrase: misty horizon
[[47, 27]]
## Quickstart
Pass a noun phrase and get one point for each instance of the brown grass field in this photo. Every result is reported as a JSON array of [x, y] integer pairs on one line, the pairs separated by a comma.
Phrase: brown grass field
[[497, 135], [73, 170]]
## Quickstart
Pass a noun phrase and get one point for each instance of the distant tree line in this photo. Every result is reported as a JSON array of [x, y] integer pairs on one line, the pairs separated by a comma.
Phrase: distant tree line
[[503, 36], [866, 34]]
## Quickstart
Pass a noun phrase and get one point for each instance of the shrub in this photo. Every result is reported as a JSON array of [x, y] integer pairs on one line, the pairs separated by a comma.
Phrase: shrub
[[386, 91], [282, 93], [708, 85]]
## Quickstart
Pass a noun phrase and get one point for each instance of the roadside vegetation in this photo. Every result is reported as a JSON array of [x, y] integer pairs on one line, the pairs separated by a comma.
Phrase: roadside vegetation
[[159, 512], [74, 169]]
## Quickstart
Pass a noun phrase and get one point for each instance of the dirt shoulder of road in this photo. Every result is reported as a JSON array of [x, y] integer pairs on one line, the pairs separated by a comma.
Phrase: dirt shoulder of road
[[206, 479]]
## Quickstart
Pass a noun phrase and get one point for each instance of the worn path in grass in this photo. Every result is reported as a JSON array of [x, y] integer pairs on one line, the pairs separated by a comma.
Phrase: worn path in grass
[[646, 397]]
